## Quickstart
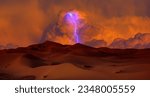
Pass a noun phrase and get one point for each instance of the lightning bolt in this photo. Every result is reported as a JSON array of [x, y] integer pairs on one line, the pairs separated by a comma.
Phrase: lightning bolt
[[73, 18]]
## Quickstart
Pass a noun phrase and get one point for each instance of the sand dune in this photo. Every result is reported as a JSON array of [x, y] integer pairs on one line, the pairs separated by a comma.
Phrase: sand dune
[[51, 60]]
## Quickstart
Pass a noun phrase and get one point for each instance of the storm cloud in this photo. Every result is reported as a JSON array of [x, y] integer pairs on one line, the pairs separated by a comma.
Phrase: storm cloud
[[25, 22]]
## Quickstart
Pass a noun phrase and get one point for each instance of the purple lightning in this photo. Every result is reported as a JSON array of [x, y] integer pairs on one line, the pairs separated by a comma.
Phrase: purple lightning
[[73, 18]]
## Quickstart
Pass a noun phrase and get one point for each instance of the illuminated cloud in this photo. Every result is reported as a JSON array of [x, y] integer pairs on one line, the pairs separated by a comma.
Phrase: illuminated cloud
[[138, 41], [25, 22]]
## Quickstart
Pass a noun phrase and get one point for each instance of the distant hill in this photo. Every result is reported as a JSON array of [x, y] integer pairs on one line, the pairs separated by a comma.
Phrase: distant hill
[[50, 60]]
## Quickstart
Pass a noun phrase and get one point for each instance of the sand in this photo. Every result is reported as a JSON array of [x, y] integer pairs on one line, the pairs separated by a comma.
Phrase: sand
[[53, 61]]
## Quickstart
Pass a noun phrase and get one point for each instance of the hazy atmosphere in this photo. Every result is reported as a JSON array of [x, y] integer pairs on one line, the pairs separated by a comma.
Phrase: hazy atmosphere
[[75, 40], [112, 23]]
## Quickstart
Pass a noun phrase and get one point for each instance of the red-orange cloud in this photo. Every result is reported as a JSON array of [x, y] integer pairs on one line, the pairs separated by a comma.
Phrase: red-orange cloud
[[24, 22]]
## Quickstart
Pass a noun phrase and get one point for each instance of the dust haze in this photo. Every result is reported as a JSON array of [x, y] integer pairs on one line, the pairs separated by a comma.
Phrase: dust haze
[[25, 22]]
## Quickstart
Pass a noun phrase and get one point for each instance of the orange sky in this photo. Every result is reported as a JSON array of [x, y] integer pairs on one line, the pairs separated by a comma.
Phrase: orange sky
[[23, 22]]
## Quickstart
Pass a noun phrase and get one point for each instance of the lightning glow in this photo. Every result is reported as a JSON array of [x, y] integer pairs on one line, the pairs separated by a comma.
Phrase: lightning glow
[[73, 19]]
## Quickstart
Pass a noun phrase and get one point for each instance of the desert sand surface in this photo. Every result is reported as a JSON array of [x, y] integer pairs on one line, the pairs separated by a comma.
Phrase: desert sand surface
[[53, 61]]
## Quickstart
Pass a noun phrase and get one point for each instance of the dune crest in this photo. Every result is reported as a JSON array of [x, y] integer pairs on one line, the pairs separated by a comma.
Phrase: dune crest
[[50, 60]]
